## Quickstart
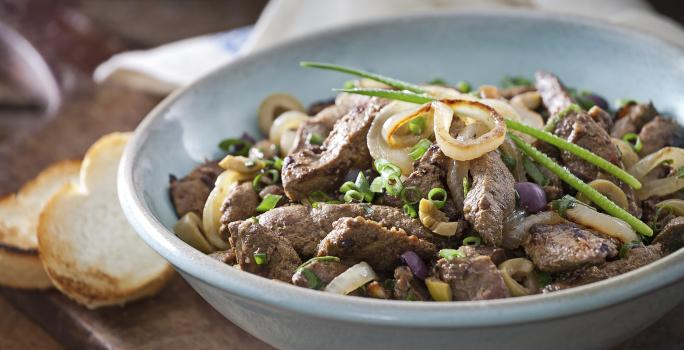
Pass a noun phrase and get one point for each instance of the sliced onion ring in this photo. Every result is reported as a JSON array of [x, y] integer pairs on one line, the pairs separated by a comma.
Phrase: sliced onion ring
[[378, 147], [676, 205], [273, 106], [288, 121], [351, 279], [628, 156], [606, 224], [660, 187], [468, 149], [650, 162], [394, 123], [211, 215], [519, 233]]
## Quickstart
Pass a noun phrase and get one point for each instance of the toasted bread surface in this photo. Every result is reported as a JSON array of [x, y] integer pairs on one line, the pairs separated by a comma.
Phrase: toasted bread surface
[[89, 250], [20, 266]]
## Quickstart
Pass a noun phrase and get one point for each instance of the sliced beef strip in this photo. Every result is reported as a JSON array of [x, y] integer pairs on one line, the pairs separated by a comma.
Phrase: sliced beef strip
[[295, 224], [580, 129], [304, 226], [672, 235], [318, 106], [636, 258], [554, 95], [357, 239], [189, 193], [564, 247], [326, 214], [224, 256], [324, 270], [658, 133], [474, 277], [407, 287], [601, 117], [491, 198], [275, 190], [427, 174], [631, 117], [240, 203], [497, 255], [248, 238], [323, 168]]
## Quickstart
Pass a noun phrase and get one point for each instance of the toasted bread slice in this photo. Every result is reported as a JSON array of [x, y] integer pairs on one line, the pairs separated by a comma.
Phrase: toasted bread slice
[[89, 250], [19, 263]]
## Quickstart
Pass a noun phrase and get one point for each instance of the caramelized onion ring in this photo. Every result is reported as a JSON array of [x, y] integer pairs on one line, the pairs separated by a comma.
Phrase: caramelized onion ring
[[468, 149]]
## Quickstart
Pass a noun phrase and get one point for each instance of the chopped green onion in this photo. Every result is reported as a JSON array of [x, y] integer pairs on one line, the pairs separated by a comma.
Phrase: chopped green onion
[[451, 254], [395, 83], [417, 125], [582, 98], [236, 147], [472, 241], [537, 176], [386, 168], [353, 196], [634, 140], [578, 151], [508, 160], [410, 211], [466, 186], [438, 81], [544, 278], [599, 199], [438, 197], [511, 81], [269, 202], [551, 123], [680, 172], [625, 248], [419, 149], [315, 139], [254, 220], [348, 186], [563, 204], [393, 185], [312, 280], [278, 163], [405, 96], [261, 258], [318, 196], [410, 195], [269, 177], [363, 186], [463, 86], [378, 185], [621, 102], [349, 84]]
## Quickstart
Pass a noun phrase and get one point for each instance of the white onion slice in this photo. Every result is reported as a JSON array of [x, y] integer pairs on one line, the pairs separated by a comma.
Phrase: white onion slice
[[378, 147], [211, 215], [355, 277], [394, 123], [600, 222], [288, 121], [519, 233], [273, 105], [651, 161], [660, 187], [628, 156], [468, 149], [287, 142], [676, 205]]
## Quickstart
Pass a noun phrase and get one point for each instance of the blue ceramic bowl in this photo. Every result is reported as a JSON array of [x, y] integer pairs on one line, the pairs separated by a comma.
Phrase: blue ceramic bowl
[[480, 47]]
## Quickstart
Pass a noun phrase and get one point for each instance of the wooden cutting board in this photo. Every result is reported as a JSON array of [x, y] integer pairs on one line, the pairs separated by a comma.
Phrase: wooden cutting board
[[178, 317]]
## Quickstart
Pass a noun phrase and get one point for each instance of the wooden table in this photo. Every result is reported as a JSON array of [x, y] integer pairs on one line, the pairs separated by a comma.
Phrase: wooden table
[[178, 317]]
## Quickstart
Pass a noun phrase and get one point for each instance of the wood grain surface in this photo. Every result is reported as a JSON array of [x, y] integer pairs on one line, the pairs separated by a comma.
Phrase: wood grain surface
[[178, 317]]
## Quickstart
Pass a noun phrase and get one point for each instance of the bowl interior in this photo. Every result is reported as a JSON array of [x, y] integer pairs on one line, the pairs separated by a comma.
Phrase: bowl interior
[[479, 47]]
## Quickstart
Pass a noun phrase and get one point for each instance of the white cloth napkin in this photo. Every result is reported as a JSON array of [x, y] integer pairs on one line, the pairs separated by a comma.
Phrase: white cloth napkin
[[174, 65]]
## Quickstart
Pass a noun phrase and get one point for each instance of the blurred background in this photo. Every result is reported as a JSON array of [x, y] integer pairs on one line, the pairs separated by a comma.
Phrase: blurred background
[[51, 108]]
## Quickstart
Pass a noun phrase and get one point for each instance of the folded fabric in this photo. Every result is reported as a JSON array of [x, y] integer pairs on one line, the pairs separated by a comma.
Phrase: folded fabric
[[167, 67]]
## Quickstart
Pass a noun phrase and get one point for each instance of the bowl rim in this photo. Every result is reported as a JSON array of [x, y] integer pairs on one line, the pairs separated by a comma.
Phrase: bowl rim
[[289, 298]]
